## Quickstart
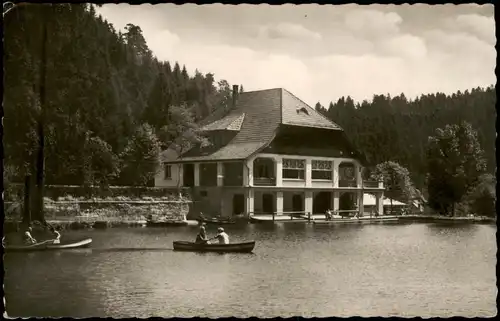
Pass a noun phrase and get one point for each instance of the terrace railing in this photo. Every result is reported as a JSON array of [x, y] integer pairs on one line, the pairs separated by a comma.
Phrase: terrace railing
[[370, 184], [264, 181], [348, 183]]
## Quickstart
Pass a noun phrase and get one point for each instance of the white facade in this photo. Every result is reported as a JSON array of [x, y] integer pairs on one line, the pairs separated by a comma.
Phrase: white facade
[[172, 179], [282, 189]]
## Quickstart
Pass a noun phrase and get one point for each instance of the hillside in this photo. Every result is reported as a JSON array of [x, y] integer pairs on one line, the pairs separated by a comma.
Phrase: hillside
[[397, 129], [101, 89]]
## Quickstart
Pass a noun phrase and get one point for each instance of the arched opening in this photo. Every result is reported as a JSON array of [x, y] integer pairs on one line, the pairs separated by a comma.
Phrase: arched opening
[[347, 201], [347, 174], [322, 202], [263, 172]]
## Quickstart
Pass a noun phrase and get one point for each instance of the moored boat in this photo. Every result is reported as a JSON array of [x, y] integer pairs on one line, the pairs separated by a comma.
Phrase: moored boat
[[361, 220], [151, 223], [48, 246], [246, 247], [215, 220]]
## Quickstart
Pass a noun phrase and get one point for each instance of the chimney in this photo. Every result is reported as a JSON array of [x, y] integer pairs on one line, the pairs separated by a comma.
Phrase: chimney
[[235, 96]]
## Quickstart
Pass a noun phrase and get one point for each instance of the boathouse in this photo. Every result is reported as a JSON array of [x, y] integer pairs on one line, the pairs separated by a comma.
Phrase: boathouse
[[270, 153]]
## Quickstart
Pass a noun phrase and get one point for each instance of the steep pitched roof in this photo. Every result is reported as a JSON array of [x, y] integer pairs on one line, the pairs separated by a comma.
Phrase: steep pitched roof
[[298, 113], [256, 118]]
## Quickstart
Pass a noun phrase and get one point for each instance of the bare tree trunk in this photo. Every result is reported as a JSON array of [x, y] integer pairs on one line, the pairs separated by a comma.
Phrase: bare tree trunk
[[26, 218], [40, 164]]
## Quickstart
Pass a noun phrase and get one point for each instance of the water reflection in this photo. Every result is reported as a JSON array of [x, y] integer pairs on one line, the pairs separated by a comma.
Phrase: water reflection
[[306, 269]]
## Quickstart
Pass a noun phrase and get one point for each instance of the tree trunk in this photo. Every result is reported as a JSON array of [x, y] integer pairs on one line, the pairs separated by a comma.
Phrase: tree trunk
[[40, 164], [26, 218]]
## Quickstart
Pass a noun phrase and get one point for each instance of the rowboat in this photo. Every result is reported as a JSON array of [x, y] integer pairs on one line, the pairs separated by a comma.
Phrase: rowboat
[[216, 221], [246, 247], [151, 223], [49, 246]]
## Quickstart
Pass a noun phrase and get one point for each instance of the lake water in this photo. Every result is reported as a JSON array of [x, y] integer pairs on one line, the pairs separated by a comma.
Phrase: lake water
[[296, 270]]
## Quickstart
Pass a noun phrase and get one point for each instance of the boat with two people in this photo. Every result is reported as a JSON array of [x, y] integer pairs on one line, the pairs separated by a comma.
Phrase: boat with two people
[[31, 244], [202, 244], [48, 245]]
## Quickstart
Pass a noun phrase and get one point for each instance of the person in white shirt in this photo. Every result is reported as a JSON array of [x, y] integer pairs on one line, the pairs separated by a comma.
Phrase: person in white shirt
[[28, 239], [222, 236], [57, 240]]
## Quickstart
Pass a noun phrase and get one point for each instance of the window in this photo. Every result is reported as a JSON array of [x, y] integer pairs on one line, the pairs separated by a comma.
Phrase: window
[[263, 171], [167, 172], [321, 170], [294, 168]]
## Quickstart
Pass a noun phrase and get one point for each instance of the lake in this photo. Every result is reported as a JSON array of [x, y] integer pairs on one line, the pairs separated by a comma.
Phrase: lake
[[296, 270]]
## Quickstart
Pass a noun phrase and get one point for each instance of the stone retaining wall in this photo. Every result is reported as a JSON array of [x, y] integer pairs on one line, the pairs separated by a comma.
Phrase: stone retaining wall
[[114, 210]]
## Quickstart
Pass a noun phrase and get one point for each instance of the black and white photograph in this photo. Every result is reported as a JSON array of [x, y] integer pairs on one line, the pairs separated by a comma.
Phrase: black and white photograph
[[249, 160]]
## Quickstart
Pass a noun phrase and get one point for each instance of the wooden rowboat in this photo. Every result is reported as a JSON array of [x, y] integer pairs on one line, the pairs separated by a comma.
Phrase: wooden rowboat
[[217, 221], [49, 246], [246, 247], [150, 223]]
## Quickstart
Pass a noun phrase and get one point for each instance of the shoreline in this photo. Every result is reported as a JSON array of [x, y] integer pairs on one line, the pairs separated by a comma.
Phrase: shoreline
[[75, 223]]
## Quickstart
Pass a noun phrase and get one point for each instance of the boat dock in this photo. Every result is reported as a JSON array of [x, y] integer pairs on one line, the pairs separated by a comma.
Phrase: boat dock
[[355, 220], [320, 219]]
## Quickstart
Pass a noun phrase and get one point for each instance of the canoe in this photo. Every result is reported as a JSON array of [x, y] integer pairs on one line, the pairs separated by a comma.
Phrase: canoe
[[165, 223], [49, 246], [246, 247], [216, 221]]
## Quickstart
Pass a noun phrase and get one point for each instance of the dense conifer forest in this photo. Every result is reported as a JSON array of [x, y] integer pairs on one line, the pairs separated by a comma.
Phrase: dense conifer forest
[[106, 96], [398, 129]]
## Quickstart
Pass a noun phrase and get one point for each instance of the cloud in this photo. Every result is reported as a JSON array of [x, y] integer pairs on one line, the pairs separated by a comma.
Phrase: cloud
[[163, 43], [481, 26], [406, 45], [360, 52], [289, 31], [460, 45], [372, 23]]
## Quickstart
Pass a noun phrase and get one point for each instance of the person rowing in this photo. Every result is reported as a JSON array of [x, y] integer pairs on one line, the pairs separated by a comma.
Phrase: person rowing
[[57, 240], [202, 235], [221, 236], [28, 239]]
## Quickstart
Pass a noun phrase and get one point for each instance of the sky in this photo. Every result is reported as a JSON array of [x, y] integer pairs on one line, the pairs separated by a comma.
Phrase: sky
[[323, 52]]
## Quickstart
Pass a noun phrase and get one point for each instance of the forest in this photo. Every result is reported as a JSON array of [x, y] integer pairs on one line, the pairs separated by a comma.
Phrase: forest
[[105, 101], [107, 106], [397, 129]]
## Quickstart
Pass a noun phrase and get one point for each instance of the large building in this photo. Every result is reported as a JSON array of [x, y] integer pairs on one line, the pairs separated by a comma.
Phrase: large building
[[270, 153]]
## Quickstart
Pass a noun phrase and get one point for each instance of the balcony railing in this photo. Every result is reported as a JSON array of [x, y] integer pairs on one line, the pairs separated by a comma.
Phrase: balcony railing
[[348, 183], [370, 184], [264, 181]]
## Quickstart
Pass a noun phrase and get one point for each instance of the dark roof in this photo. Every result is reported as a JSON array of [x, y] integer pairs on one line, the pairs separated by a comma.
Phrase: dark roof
[[298, 113], [256, 118]]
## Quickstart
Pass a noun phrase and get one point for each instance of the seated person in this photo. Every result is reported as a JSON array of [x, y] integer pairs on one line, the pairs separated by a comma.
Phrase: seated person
[[328, 215], [57, 240], [28, 239], [202, 235], [222, 236]]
